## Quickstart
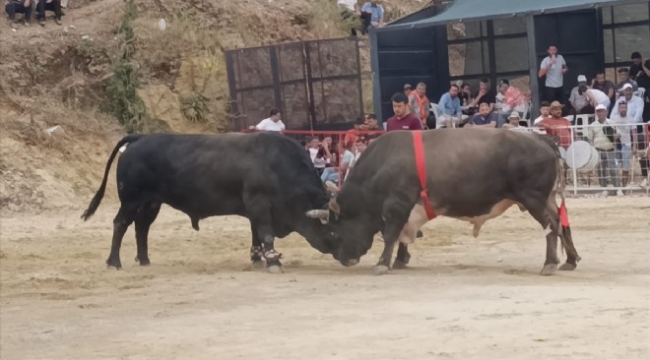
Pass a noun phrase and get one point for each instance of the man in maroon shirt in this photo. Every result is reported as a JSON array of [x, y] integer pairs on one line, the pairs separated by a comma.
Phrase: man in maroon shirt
[[403, 118]]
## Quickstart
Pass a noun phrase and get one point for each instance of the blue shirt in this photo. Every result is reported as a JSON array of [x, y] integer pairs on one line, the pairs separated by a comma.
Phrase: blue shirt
[[480, 120], [377, 11], [449, 106]]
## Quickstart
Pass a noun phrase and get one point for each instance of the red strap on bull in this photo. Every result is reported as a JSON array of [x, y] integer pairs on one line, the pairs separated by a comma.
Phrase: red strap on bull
[[564, 215], [421, 166]]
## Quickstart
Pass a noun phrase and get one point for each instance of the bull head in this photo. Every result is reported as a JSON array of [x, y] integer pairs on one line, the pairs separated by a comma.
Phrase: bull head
[[324, 215]]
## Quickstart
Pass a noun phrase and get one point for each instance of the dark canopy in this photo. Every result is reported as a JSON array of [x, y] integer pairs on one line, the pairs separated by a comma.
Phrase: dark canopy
[[477, 10]]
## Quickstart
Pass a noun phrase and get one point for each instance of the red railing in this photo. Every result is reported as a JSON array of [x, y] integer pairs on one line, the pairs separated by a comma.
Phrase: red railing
[[339, 141]]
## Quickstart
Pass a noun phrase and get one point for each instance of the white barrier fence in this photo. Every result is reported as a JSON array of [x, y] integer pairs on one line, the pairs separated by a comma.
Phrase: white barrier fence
[[607, 159]]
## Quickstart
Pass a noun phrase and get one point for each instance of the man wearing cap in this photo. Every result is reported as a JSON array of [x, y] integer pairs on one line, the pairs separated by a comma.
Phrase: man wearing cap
[[557, 126], [553, 67], [513, 123], [579, 102], [635, 105], [602, 135]]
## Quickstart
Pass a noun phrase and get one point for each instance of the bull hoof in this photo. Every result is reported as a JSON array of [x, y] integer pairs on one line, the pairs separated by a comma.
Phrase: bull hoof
[[568, 267], [143, 262], [380, 270], [275, 269], [116, 263], [258, 264], [548, 269], [399, 265]]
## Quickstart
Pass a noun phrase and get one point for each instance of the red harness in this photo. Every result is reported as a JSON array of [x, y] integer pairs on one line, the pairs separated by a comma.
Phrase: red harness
[[422, 173]]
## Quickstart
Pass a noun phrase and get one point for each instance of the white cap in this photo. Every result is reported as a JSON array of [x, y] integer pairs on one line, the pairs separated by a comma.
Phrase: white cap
[[582, 78], [626, 86], [601, 107]]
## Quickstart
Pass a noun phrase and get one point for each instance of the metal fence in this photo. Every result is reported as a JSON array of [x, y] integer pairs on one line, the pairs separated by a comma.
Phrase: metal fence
[[315, 84], [606, 168]]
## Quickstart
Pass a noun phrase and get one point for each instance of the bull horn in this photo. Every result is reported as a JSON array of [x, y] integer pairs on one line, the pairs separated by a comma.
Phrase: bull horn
[[318, 214]]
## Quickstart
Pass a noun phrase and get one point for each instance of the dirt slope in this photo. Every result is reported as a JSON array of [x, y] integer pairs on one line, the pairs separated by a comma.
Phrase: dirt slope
[[57, 75]]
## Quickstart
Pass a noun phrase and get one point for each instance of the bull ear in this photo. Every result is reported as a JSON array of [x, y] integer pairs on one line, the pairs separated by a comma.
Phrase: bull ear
[[334, 206], [322, 215]]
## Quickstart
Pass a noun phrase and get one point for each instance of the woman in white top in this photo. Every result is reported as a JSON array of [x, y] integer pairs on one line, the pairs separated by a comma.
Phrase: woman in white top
[[594, 96]]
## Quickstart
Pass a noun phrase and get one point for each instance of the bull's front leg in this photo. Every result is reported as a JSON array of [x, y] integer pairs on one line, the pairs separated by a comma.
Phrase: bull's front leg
[[396, 216], [257, 251], [259, 213], [403, 257]]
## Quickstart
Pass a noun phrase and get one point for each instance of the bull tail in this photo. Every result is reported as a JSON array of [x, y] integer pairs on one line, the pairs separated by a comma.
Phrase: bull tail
[[97, 199]]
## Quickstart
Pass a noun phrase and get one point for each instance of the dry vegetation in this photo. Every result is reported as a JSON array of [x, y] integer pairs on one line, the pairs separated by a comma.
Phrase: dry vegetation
[[60, 75]]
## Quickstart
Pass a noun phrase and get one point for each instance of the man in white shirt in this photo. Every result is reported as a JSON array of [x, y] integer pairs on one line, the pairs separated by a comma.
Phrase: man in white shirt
[[272, 123], [594, 96], [553, 67], [634, 105], [625, 127], [602, 135], [544, 112]]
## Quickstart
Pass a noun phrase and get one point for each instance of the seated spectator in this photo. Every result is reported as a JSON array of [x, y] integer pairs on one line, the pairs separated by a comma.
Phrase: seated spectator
[[624, 78], [605, 86], [544, 111], [369, 123], [484, 119], [272, 123], [449, 108], [315, 148], [466, 99], [602, 135], [372, 14], [513, 123], [49, 5], [420, 103], [332, 173], [557, 126], [634, 103], [509, 99], [579, 102], [594, 96], [484, 95], [14, 7], [627, 144], [360, 146]]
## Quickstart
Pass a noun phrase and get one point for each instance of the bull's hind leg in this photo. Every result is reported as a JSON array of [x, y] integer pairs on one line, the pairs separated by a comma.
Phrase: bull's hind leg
[[257, 251], [403, 257], [125, 216], [146, 216], [550, 223]]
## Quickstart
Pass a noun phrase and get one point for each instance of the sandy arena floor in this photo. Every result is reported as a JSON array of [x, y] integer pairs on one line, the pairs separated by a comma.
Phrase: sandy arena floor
[[463, 298]]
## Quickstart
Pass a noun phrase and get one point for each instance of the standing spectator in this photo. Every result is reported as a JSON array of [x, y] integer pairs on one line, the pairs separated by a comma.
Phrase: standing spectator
[[372, 14], [272, 123], [509, 99], [627, 140], [634, 105], [594, 96], [449, 107], [602, 136], [605, 86], [578, 102], [544, 112], [14, 7], [485, 118], [557, 126], [640, 72], [484, 95], [553, 67], [403, 118], [420, 102], [49, 5]]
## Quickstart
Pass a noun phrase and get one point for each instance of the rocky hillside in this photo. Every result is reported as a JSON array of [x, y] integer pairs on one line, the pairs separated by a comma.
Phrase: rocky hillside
[[111, 68]]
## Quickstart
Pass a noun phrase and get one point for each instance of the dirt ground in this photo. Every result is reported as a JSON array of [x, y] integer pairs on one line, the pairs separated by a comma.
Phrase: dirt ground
[[462, 298]]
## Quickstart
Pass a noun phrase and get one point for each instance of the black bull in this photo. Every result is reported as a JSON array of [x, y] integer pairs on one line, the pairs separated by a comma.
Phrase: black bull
[[472, 175], [265, 177]]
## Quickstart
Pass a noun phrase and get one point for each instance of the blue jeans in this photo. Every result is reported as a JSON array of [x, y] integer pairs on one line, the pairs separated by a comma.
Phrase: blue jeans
[[330, 174]]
